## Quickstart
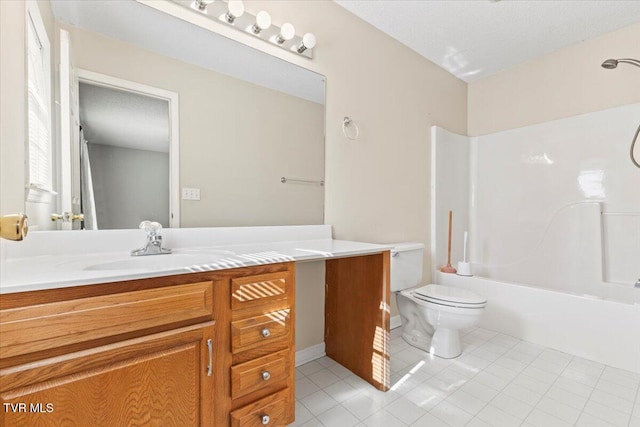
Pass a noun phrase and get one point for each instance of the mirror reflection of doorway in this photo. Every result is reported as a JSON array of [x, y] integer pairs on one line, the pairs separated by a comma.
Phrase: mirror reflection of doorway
[[125, 157]]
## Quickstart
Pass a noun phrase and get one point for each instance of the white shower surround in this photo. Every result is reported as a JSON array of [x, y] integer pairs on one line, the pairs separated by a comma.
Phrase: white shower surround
[[523, 179], [557, 206]]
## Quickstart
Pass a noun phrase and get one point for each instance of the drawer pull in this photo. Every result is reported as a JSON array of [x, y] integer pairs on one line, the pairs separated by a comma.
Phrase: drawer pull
[[265, 419], [210, 366], [266, 332], [266, 375]]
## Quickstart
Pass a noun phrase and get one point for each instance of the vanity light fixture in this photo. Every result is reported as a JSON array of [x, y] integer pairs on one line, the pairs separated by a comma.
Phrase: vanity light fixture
[[287, 31], [308, 42], [263, 22], [201, 5], [235, 10], [259, 25]]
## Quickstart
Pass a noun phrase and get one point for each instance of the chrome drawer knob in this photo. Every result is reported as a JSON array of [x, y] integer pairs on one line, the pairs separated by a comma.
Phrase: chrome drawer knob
[[265, 419], [266, 332], [266, 375]]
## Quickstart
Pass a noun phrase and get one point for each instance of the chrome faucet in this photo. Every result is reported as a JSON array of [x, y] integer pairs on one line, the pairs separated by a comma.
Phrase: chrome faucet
[[154, 240], [637, 285]]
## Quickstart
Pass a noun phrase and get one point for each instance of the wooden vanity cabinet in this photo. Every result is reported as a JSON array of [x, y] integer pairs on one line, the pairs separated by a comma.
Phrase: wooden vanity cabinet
[[187, 350]]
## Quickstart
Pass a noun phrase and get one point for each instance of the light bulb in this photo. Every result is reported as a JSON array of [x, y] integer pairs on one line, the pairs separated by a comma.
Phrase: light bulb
[[201, 5], [263, 21], [287, 32], [308, 42], [236, 9]]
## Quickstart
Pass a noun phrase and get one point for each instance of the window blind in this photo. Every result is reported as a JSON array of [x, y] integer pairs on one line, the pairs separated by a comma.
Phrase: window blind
[[39, 130]]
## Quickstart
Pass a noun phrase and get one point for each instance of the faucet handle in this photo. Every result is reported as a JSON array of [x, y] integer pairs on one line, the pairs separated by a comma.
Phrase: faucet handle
[[152, 228]]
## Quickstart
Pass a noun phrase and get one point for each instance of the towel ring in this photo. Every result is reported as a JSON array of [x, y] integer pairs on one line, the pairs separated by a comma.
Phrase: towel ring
[[347, 122]]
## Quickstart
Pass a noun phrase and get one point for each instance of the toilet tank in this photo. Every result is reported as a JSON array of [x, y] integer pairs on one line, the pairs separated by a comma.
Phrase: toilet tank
[[406, 265]]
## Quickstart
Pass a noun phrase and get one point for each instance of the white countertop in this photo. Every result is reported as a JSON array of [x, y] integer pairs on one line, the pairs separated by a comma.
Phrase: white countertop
[[44, 271]]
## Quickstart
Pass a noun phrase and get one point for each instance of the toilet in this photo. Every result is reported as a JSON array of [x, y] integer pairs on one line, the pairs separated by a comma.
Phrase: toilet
[[432, 315]]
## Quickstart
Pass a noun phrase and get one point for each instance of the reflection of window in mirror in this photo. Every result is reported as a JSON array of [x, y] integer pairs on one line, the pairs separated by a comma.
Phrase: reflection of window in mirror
[[39, 175]]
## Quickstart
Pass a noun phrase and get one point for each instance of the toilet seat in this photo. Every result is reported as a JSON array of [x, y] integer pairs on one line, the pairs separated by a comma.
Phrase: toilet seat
[[449, 296]]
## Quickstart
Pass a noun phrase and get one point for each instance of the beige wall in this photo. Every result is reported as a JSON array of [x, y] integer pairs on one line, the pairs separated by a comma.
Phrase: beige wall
[[378, 186], [309, 304], [562, 84]]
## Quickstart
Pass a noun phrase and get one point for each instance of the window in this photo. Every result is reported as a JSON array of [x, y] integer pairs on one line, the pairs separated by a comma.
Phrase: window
[[40, 174]]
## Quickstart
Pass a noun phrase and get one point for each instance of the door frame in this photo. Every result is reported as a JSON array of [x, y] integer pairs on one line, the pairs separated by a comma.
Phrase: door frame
[[98, 79]]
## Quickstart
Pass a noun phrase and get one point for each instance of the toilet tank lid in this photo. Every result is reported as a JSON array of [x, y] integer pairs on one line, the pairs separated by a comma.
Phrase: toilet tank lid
[[406, 246]]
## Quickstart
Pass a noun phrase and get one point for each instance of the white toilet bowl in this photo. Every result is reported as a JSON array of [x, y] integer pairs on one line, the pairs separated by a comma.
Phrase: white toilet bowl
[[432, 316]]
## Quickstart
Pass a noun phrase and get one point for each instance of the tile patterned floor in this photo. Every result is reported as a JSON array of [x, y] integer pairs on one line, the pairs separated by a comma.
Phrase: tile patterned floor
[[499, 381]]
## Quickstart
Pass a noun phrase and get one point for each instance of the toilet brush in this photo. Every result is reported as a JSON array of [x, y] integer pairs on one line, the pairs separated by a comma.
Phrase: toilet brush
[[464, 266], [448, 268]]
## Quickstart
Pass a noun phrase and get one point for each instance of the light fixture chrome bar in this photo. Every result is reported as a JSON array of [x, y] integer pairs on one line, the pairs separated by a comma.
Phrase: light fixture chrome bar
[[201, 5], [232, 13]]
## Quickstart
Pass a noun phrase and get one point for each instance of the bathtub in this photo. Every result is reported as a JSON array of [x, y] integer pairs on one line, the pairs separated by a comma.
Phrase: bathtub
[[604, 328]]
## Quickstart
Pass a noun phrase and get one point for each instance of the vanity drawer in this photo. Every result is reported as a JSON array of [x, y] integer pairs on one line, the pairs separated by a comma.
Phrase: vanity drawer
[[252, 291], [259, 373], [42, 327], [260, 330], [270, 411]]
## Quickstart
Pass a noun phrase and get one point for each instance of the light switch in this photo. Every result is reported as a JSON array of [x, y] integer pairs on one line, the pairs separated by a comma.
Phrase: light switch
[[190, 194]]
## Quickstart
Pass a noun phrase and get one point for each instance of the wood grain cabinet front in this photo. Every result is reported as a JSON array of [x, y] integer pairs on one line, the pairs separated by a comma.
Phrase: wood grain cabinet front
[[79, 321], [265, 372], [271, 411], [261, 330], [164, 379], [252, 291]]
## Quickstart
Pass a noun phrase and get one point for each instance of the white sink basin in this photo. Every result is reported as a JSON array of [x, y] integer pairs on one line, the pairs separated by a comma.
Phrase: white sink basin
[[155, 262]]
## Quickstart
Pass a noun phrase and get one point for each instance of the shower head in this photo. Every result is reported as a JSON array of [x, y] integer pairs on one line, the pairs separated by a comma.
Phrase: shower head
[[610, 64]]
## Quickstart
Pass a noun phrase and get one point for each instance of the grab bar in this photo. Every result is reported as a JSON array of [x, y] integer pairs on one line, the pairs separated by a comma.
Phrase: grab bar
[[621, 213], [303, 181]]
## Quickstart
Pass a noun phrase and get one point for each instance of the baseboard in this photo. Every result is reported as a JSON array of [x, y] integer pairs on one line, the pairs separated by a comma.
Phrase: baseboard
[[309, 354], [395, 322], [317, 351]]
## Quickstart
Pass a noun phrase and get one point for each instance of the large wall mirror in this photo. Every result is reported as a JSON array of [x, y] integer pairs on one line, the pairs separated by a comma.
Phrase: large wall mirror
[[171, 122]]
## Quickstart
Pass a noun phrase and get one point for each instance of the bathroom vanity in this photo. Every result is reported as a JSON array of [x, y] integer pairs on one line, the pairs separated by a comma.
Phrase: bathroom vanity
[[212, 347]]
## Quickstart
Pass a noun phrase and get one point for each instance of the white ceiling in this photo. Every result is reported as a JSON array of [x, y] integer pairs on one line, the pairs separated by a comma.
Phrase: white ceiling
[[124, 119], [475, 38]]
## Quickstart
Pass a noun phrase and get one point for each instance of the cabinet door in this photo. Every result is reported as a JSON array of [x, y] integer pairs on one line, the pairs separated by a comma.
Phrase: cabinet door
[[164, 379]]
